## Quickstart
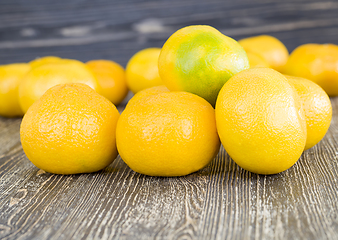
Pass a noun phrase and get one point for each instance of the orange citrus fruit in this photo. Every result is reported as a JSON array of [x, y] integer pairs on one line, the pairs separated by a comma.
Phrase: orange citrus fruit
[[111, 78], [270, 48], [39, 79], [43, 60], [318, 63], [317, 108], [147, 92], [168, 134], [199, 60], [69, 130], [260, 121], [256, 60], [10, 77], [142, 70]]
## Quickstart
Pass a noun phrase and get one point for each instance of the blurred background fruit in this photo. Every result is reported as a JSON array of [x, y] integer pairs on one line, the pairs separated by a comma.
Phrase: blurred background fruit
[[168, 134], [111, 78], [11, 76], [69, 130], [221, 201], [257, 60], [260, 121], [270, 48], [317, 108], [39, 79], [142, 70], [199, 59], [43, 60], [316, 62]]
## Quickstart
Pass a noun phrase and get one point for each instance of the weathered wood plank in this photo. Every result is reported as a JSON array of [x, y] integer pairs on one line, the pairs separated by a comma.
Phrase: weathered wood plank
[[222, 201], [116, 30], [10, 135]]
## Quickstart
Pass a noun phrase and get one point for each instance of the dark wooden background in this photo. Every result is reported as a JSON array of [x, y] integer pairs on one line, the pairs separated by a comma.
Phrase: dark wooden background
[[221, 201]]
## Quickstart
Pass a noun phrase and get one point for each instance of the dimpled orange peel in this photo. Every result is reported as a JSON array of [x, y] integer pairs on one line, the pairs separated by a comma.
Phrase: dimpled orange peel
[[200, 59], [147, 92], [316, 62], [317, 108], [69, 130], [260, 121], [168, 134]]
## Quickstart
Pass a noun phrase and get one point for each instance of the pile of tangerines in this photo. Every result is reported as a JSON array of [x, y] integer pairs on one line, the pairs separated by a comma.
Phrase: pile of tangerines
[[200, 90]]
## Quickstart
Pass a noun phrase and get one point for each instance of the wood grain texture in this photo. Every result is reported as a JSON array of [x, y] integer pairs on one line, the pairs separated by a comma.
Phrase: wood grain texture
[[115, 30], [222, 201]]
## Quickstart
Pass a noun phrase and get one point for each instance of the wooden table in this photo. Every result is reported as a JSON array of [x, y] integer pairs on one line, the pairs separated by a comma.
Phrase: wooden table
[[221, 201]]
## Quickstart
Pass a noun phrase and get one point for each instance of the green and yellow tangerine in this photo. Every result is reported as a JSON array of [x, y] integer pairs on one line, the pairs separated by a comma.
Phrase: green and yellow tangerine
[[201, 62]]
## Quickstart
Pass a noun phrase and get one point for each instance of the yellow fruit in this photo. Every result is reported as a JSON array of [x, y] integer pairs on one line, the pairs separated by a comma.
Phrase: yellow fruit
[[142, 70], [316, 62], [260, 121], [270, 48], [69, 130], [317, 108], [43, 60], [111, 78], [39, 79], [147, 92], [168, 134], [10, 78], [256, 60], [200, 59]]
